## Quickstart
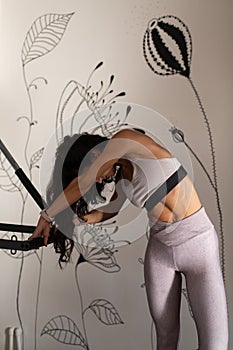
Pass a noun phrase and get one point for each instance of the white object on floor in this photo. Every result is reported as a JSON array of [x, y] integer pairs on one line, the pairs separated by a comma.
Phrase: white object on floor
[[11, 339], [18, 336]]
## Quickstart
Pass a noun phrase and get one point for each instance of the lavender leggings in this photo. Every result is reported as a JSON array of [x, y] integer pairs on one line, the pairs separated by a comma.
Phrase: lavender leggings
[[190, 247]]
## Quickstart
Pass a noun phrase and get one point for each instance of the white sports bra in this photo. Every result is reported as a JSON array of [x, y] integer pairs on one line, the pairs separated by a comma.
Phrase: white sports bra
[[148, 175]]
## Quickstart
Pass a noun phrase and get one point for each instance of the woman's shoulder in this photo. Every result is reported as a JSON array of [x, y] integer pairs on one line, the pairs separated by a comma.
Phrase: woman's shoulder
[[131, 134], [142, 145]]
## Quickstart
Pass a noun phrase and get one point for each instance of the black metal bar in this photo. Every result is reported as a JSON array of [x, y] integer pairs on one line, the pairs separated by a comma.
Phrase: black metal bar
[[23, 177], [14, 245], [30, 188], [17, 228], [9, 157]]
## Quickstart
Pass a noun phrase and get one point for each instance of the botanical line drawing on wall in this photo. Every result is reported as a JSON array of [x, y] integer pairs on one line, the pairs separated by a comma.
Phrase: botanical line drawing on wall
[[44, 35], [167, 49], [99, 103], [65, 330]]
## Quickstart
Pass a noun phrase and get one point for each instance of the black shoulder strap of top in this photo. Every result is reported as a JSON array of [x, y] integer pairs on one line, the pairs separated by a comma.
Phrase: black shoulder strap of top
[[165, 188]]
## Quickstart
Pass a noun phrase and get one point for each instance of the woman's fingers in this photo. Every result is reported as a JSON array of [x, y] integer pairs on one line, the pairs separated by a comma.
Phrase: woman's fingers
[[46, 235], [42, 230], [37, 233]]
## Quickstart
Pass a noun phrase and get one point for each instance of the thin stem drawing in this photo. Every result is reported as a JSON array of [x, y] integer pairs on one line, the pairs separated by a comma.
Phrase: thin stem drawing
[[81, 303]]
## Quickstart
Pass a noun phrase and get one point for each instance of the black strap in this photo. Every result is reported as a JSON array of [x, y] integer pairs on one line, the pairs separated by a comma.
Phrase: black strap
[[165, 188]]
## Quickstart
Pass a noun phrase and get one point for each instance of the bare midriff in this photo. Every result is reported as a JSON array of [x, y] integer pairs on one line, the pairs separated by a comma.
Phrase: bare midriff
[[180, 203]]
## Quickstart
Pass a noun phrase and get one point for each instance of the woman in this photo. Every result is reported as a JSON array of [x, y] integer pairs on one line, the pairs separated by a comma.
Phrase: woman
[[182, 238]]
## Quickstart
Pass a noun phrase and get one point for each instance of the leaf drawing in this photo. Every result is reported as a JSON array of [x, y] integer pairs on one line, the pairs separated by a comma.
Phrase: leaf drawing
[[44, 35], [65, 331], [8, 180], [105, 312], [36, 157]]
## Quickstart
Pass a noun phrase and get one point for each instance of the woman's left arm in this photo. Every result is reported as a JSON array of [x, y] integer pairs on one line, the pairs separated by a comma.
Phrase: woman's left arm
[[69, 196]]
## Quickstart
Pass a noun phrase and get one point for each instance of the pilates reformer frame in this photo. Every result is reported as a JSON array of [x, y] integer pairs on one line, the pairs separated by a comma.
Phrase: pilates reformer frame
[[14, 244]]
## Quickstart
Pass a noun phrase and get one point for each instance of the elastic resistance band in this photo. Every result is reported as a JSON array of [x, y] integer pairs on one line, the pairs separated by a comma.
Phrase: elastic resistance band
[[165, 188]]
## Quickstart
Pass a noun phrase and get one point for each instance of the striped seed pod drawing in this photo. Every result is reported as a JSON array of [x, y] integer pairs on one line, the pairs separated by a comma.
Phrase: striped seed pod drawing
[[167, 46]]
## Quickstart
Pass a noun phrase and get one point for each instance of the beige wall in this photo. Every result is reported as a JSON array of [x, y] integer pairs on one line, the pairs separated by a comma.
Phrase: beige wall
[[111, 32]]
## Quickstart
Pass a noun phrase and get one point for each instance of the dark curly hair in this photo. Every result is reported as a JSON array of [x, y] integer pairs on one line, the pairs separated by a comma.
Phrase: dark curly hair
[[69, 156]]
